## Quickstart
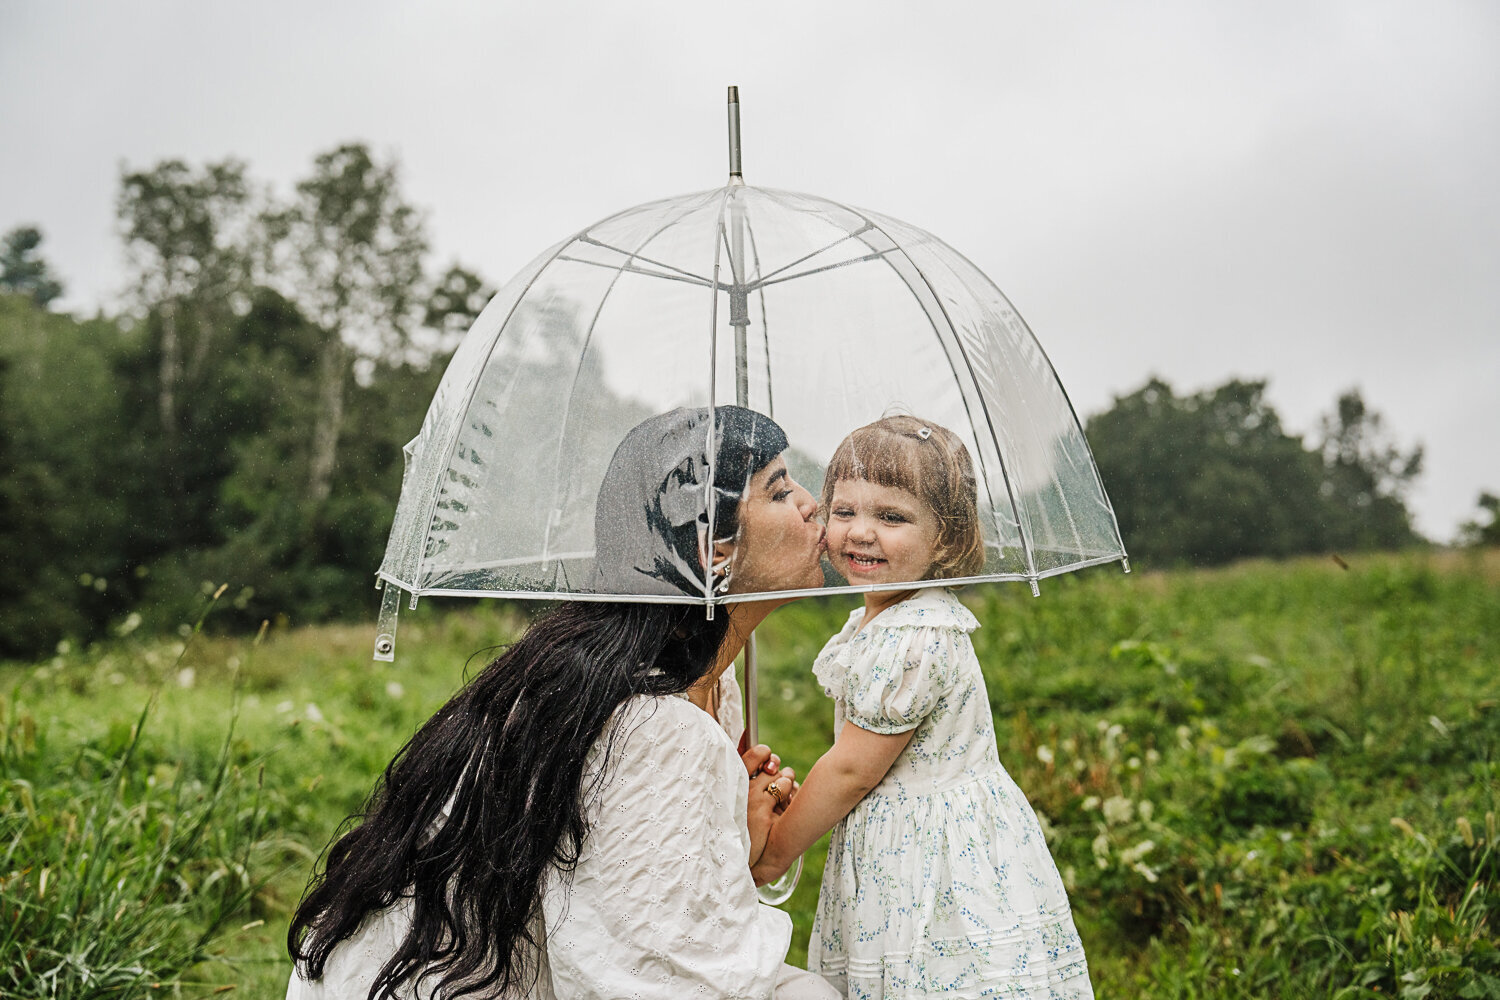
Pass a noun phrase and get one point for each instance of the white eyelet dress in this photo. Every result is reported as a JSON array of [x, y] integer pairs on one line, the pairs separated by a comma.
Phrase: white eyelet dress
[[661, 905], [939, 881]]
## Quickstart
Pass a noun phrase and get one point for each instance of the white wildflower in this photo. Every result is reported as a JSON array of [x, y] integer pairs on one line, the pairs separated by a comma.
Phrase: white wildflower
[[1118, 809]]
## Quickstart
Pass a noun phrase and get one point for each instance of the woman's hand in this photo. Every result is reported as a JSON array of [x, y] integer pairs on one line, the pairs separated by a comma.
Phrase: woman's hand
[[768, 796], [758, 758]]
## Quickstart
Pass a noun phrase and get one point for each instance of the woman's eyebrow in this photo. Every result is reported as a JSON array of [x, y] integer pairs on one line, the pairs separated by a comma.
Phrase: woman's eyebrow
[[776, 477]]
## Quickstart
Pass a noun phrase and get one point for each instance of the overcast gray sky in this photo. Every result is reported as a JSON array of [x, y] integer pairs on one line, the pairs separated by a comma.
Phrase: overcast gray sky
[[1305, 192]]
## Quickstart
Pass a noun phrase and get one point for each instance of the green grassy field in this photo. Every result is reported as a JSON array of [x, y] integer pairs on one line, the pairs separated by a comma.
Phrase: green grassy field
[[1277, 779]]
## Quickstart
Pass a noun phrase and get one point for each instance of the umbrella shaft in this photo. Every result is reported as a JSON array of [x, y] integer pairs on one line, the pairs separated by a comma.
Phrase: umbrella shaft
[[741, 368], [752, 707]]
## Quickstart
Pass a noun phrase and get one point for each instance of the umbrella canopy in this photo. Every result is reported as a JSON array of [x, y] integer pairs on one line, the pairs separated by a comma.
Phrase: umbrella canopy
[[821, 316]]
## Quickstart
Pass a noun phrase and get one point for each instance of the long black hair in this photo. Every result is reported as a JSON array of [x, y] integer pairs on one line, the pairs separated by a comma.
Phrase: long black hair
[[490, 794], [509, 751]]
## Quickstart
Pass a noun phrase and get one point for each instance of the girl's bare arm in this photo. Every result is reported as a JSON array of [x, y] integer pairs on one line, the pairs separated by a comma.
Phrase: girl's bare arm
[[841, 777]]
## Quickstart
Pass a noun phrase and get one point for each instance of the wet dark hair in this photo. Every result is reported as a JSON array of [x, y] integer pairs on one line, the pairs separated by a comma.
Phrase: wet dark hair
[[657, 474], [932, 464], [509, 752], [505, 758]]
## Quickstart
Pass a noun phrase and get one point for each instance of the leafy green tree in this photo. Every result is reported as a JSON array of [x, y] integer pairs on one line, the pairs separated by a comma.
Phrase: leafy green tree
[[22, 272], [1487, 532], [453, 304], [63, 468], [1365, 479], [1206, 478], [253, 511], [189, 235], [1214, 476], [348, 251]]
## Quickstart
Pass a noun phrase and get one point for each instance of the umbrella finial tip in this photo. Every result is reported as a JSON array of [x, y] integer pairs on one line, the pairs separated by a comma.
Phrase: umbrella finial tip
[[734, 94]]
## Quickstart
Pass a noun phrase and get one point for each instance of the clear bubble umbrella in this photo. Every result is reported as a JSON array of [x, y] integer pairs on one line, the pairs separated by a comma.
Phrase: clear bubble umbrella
[[821, 316]]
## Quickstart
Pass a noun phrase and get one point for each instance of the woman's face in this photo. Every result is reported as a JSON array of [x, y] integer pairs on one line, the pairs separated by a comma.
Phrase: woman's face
[[779, 544]]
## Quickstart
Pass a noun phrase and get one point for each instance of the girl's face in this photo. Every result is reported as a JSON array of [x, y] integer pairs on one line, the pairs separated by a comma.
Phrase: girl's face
[[779, 542], [879, 534]]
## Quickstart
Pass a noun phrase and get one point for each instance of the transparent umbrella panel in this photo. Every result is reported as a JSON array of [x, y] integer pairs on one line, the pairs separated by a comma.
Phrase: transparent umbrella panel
[[820, 316]]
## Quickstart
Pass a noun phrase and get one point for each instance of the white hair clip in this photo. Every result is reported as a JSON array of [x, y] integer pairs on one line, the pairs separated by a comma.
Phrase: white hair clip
[[924, 433]]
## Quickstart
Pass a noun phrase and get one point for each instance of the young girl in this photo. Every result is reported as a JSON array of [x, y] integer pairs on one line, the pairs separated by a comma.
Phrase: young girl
[[938, 880]]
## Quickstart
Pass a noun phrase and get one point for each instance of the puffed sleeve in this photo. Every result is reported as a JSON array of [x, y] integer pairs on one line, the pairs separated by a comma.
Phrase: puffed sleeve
[[662, 904], [897, 675]]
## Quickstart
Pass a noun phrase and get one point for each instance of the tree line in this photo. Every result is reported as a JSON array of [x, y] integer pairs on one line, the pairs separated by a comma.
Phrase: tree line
[[241, 419]]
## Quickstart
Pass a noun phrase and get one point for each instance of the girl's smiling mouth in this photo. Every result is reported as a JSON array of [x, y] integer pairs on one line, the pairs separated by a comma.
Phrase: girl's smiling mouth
[[862, 563]]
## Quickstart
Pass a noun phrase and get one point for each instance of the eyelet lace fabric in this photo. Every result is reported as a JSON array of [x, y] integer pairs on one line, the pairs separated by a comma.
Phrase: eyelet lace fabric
[[939, 881], [661, 904]]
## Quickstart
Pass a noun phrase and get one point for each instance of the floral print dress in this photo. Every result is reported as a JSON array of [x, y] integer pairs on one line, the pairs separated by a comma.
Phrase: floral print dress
[[938, 882]]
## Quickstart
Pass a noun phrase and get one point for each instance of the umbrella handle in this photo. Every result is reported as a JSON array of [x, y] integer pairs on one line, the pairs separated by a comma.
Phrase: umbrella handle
[[778, 891]]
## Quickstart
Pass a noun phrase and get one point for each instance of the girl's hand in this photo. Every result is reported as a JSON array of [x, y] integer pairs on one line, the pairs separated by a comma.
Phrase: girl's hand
[[857, 762], [767, 870], [768, 794]]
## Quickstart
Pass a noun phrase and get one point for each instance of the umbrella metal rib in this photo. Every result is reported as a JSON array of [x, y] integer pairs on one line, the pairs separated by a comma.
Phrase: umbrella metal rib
[[767, 279], [765, 332], [691, 279], [686, 274], [578, 372], [872, 255], [989, 424]]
